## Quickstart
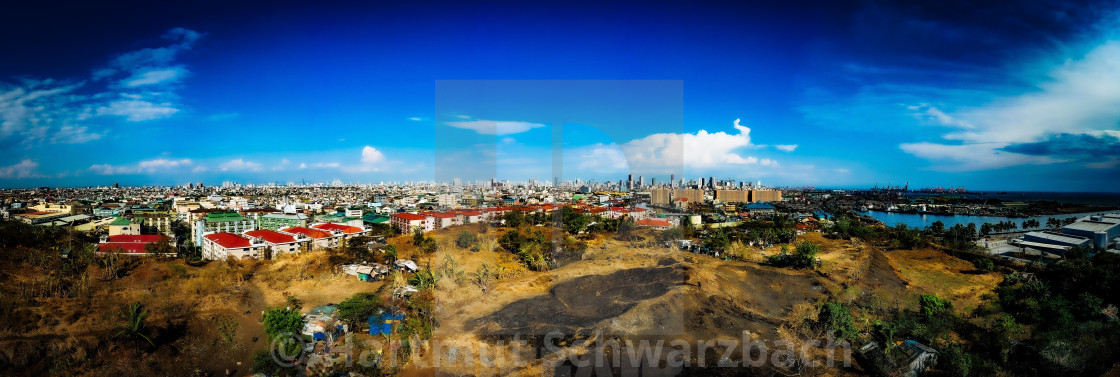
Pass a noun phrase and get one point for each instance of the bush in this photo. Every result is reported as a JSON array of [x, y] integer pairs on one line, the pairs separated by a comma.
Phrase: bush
[[281, 321], [838, 320], [933, 306], [359, 307], [984, 264], [465, 239]]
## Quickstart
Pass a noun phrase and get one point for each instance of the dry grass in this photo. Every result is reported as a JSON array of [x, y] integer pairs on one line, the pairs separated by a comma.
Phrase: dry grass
[[932, 271]]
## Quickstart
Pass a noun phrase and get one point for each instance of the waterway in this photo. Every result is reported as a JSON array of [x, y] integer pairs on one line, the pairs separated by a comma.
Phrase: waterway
[[922, 221]]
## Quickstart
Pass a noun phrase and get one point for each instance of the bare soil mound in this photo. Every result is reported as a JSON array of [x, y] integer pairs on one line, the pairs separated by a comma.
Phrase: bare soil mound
[[580, 303]]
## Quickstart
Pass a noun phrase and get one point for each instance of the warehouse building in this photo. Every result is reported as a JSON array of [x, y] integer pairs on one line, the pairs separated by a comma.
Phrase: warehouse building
[[1101, 230]]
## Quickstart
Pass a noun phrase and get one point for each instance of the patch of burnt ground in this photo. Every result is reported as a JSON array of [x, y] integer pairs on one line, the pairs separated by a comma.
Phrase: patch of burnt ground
[[580, 303]]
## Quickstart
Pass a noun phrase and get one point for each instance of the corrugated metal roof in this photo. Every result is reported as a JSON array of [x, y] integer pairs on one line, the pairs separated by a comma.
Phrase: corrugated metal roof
[[1091, 226]]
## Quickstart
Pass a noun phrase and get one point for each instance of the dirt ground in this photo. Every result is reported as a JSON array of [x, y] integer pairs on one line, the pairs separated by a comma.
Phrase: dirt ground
[[187, 305], [616, 291]]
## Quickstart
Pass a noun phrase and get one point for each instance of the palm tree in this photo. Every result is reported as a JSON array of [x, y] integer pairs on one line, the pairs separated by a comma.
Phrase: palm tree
[[133, 325]]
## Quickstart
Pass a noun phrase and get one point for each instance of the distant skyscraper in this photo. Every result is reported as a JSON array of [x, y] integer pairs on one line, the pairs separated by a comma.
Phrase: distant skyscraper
[[702, 182], [672, 180], [712, 182]]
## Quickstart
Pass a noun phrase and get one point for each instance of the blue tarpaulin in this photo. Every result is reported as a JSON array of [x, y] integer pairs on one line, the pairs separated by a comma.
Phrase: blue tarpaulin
[[383, 324]]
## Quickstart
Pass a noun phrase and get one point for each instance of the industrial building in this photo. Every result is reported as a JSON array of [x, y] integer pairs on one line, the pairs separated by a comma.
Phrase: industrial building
[[1102, 230], [1055, 238]]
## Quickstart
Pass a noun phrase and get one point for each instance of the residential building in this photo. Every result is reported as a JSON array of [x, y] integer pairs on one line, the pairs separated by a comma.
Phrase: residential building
[[408, 222], [222, 245], [277, 221], [227, 222], [281, 242], [320, 239], [122, 226], [130, 244]]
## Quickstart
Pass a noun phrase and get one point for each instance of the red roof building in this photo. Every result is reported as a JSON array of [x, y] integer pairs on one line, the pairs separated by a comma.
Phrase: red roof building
[[222, 245], [228, 240], [344, 228], [271, 236], [127, 244], [313, 233], [655, 223]]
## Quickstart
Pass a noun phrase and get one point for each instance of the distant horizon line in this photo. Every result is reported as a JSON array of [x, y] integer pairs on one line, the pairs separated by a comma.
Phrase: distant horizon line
[[421, 182]]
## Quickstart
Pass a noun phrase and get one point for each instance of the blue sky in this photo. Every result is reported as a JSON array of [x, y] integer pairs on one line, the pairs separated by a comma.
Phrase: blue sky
[[986, 95]]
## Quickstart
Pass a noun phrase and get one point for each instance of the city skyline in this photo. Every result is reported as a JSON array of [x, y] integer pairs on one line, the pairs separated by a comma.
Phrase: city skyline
[[838, 95]]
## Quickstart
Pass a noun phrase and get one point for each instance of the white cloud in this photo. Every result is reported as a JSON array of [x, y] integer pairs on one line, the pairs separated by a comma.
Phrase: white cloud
[[1080, 96], [158, 165], [969, 157], [138, 110], [24, 169], [699, 150], [372, 156], [148, 58], [415, 119], [154, 76], [239, 165], [494, 127], [786, 147], [38, 110], [602, 158], [842, 170]]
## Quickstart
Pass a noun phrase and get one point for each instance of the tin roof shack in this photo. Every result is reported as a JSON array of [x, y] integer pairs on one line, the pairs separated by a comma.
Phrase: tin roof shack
[[322, 324], [366, 273], [907, 358]]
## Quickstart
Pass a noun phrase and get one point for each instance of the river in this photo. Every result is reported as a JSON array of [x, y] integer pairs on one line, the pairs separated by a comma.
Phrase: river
[[922, 221]]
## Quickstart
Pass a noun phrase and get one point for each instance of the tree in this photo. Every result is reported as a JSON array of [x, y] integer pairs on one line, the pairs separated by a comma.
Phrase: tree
[[984, 264], [717, 240], [132, 327], [280, 322], [390, 253], [418, 237], [671, 234], [626, 228], [937, 227], [574, 222], [359, 307], [838, 320], [933, 306], [429, 246], [163, 247], [805, 255], [465, 239], [514, 218]]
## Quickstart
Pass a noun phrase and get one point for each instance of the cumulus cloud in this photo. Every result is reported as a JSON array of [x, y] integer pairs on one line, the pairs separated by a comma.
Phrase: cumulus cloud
[[157, 165], [23, 169], [239, 165], [493, 127], [372, 156], [702, 149], [786, 147], [666, 152]]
